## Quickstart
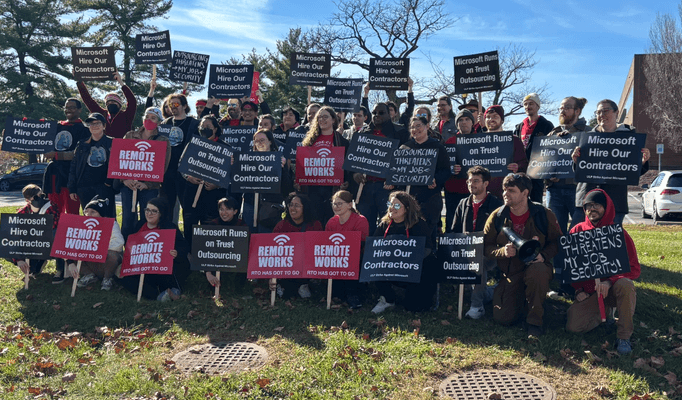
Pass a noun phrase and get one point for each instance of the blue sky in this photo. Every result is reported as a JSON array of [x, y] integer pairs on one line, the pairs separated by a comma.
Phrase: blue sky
[[584, 48]]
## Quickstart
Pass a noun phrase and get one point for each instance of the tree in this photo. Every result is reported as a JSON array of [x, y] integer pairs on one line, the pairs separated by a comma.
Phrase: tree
[[664, 79]]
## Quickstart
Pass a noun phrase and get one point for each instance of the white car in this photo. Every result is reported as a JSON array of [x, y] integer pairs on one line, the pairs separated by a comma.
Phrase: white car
[[664, 197]]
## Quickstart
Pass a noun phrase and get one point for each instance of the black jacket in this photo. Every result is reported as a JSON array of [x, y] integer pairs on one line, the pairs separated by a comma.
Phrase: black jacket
[[541, 129], [80, 160], [423, 193], [463, 221], [389, 129]]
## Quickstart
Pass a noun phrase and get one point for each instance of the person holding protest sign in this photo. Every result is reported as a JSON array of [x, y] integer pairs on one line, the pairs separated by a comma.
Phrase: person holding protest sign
[[617, 290], [472, 107], [403, 217], [523, 286], [358, 119], [456, 188], [150, 96], [347, 219], [200, 105], [291, 119], [375, 192], [426, 113], [161, 287], [91, 271], [267, 122], [145, 189], [228, 209], [117, 121], [249, 113], [310, 112], [446, 118], [470, 216], [607, 118], [393, 110], [88, 169]]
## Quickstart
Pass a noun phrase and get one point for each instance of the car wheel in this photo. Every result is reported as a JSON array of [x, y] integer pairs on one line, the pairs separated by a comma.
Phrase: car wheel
[[4, 186], [654, 214], [643, 213]]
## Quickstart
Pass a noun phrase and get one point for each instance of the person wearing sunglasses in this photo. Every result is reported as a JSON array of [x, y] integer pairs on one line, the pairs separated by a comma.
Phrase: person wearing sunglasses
[[425, 112], [397, 118], [117, 121]]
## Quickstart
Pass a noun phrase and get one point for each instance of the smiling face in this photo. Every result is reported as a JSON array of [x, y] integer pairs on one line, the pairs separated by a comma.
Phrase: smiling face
[[513, 197], [444, 108], [340, 206], [325, 121], [477, 186], [96, 129], [249, 114], [606, 117], [296, 210], [289, 119], [396, 210], [71, 111], [567, 112], [419, 131], [152, 215], [594, 212], [380, 115], [261, 141], [226, 214], [493, 122], [265, 124]]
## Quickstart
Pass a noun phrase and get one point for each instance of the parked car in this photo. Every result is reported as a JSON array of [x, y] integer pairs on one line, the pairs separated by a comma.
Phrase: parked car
[[17, 179], [664, 197]]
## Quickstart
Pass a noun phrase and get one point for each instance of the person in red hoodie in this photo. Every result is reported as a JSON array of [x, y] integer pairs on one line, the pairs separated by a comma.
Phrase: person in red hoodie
[[118, 121], [617, 290]]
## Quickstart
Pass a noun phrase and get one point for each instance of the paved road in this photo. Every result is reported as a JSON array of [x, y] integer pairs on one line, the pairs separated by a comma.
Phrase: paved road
[[15, 199]]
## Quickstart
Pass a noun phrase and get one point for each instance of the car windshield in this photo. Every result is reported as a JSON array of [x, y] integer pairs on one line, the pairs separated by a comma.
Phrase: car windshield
[[675, 181]]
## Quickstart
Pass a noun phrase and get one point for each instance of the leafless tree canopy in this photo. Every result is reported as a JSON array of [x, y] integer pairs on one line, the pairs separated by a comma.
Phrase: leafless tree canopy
[[663, 71]]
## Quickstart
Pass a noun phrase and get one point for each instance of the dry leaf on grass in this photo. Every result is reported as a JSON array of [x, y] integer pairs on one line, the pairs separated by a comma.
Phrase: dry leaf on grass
[[445, 322], [279, 329], [657, 362], [263, 382], [671, 378], [416, 323], [539, 357], [96, 305], [69, 377]]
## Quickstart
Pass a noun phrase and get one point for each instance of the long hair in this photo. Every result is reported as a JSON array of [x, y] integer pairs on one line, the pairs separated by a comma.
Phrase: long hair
[[412, 209], [214, 122], [308, 213], [451, 114], [314, 131], [268, 134], [345, 196], [162, 205]]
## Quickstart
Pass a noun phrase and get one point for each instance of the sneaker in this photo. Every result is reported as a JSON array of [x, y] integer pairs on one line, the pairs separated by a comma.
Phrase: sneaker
[[623, 346], [58, 277], [353, 302], [86, 280], [163, 296], [304, 291], [107, 283], [174, 293], [475, 312], [534, 330], [382, 305]]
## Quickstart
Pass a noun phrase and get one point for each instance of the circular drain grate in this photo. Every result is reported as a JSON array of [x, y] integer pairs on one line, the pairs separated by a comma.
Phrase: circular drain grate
[[510, 385], [218, 358]]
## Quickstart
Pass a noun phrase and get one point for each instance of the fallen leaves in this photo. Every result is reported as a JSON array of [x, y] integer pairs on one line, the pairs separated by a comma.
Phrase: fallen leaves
[[263, 382], [539, 357], [65, 343], [69, 377], [96, 305]]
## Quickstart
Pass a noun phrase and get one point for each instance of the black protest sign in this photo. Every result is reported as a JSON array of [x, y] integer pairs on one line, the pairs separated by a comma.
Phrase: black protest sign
[[294, 140], [207, 160], [460, 257], [415, 167], [610, 158], [370, 154], [282, 135], [220, 248], [239, 137], [93, 63], [493, 151], [596, 253], [343, 94], [477, 73], [257, 172], [395, 258], [388, 73], [153, 48], [26, 236], [230, 81], [188, 67], [551, 156], [451, 148], [29, 135], [310, 69]]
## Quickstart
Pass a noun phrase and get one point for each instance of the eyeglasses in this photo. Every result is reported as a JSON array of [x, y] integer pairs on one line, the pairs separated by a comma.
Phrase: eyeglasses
[[260, 141], [324, 117], [396, 206], [339, 204], [566, 108], [424, 115], [70, 108], [604, 111], [95, 123], [592, 206], [295, 205], [174, 104], [151, 211], [231, 105]]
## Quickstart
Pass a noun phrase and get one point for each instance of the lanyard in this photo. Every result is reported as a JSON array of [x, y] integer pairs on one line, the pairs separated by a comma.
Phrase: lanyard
[[407, 231]]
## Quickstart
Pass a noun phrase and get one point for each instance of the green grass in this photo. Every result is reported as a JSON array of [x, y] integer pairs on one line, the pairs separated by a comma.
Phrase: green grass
[[312, 353]]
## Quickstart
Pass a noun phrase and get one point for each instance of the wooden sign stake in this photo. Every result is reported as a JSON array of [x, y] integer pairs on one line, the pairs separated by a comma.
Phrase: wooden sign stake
[[461, 301], [75, 278], [196, 197], [135, 201], [602, 311], [217, 287], [273, 293], [139, 288], [329, 294], [255, 209], [28, 271]]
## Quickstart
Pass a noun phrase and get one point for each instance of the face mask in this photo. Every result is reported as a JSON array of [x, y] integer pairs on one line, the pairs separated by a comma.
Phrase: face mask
[[206, 132], [113, 108], [149, 124]]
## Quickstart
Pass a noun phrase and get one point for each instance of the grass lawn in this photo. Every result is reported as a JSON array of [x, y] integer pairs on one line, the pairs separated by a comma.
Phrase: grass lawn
[[105, 345]]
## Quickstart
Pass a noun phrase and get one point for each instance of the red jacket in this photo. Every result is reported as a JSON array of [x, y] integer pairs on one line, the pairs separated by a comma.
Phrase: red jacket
[[118, 125], [607, 219]]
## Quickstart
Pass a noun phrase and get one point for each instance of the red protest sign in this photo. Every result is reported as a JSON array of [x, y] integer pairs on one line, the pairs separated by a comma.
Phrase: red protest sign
[[319, 165], [276, 255], [143, 160], [82, 238], [149, 253], [254, 87], [332, 255]]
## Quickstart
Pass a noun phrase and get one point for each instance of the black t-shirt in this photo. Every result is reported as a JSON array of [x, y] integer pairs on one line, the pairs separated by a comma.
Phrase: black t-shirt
[[96, 165], [179, 136]]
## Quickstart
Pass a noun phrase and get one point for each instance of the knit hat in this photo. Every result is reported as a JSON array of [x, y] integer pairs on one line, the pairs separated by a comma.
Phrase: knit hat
[[595, 196], [534, 97], [472, 102], [115, 97], [464, 114], [154, 110], [99, 205], [497, 109]]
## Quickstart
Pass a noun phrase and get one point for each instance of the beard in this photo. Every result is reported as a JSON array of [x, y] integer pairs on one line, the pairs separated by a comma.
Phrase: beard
[[564, 120]]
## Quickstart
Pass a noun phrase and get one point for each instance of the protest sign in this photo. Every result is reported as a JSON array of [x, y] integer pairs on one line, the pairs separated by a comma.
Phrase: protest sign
[[93, 63], [388, 73], [370, 154], [276, 255], [392, 258], [207, 160], [343, 94], [310, 69], [610, 158], [551, 156], [149, 253], [281, 135], [153, 48], [239, 137], [230, 81], [254, 87], [143, 160], [29, 136], [332, 255], [257, 172], [451, 149], [82, 238], [189, 67], [593, 254], [460, 256], [477, 73], [490, 150], [412, 167], [293, 142], [319, 165], [220, 248], [26, 236]]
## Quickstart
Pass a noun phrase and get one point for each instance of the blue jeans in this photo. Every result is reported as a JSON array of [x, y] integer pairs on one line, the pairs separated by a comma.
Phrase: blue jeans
[[372, 203], [562, 203], [130, 217]]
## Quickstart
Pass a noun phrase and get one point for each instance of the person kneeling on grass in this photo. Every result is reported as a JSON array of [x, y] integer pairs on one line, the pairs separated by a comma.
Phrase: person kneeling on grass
[[91, 271], [617, 290]]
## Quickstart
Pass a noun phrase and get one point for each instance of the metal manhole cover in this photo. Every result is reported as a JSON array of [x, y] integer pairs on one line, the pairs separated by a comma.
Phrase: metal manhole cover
[[218, 358], [477, 385]]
